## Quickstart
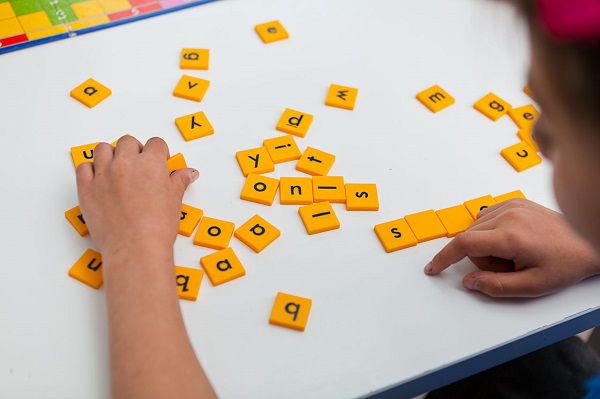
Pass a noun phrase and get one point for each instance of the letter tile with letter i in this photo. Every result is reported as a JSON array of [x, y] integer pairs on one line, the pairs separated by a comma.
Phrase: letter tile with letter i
[[290, 311], [222, 267]]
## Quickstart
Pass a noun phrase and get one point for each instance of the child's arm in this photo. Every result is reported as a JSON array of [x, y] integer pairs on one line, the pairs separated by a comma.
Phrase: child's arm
[[522, 249], [132, 208]]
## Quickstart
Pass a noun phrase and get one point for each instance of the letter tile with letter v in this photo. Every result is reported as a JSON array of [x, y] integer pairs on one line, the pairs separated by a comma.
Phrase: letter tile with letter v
[[222, 267]]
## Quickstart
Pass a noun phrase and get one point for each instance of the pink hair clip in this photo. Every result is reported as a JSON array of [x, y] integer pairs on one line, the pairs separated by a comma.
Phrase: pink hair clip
[[571, 20]]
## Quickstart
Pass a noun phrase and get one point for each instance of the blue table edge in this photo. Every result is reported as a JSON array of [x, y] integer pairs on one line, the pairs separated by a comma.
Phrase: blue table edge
[[484, 360]]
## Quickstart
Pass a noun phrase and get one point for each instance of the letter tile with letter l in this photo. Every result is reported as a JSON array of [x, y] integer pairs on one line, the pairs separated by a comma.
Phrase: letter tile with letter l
[[222, 267]]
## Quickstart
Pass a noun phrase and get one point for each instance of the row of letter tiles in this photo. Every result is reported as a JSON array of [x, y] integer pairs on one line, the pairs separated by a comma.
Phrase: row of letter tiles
[[258, 160], [85, 153], [428, 225], [90, 93], [194, 58]]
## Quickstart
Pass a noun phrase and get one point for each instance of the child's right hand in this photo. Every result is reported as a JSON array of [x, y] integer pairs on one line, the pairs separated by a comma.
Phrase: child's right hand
[[522, 249]]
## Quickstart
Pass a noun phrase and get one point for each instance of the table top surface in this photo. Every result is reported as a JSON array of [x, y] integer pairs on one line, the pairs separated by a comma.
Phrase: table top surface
[[376, 319]]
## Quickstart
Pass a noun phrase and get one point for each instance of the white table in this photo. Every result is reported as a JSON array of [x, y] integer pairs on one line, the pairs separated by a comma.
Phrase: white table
[[377, 321]]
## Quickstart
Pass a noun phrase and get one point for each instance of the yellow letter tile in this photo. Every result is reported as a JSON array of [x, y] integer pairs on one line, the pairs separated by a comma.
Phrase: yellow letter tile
[[435, 98], [194, 58], [319, 217], [194, 126], [188, 282], [426, 225], [477, 205], [511, 195], [88, 269], [90, 93], [176, 162], [527, 90], [295, 191], [525, 116], [83, 153], [521, 156], [260, 189], [492, 106], [282, 149], [329, 188], [395, 235], [290, 311], [455, 219], [214, 233], [75, 217], [294, 122], [361, 197], [257, 233], [315, 162], [525, 134], [341, 97], [255, 160], [191, 88], [190, 217], [222, 266], [271, 31]]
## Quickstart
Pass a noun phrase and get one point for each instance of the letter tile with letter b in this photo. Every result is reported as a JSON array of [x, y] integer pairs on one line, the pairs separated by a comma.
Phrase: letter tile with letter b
[[214, 233], [257, 233], [492, 106], [188, 282], [290, 311], [88, 269], [521, 156], [90, 93], [222, 267], [294, 122]]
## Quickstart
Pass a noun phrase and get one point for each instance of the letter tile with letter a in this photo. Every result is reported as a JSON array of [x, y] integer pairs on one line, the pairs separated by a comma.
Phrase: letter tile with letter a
[[188, 282], [435, 98], [361, 197], [521, 156], [88, 269], [455, 219], [426, 225], [395, 235], [222, 267], [260, 189], [290, 311], [214, 233], [255, 160], [294, 122], [257, 233], [191, 88], [194, 58], [492, 106], [477, 205], [91, 93], [189, 219]]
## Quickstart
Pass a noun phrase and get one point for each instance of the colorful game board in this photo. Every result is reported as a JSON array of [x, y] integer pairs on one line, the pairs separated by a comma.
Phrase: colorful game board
[[25, 23]]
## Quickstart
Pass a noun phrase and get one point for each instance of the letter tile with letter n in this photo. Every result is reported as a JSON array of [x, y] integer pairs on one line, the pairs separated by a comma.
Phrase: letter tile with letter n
[[188, 282], [191, 88], [395, 235], [290, 311], [259, 189], [91, 93], [222, 267], [294, 122], [361, 197], [435, 98], [194, 58], [255, 160], [190, 217], [88, 269], [257, 233], [214, 233], [75, 217], [492, 106], [521, 156], [477, 205], [295, 191], [194, 126]]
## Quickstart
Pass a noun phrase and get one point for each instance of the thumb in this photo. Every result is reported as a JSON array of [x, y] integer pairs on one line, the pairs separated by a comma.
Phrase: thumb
[[182, 178], [524, 283]]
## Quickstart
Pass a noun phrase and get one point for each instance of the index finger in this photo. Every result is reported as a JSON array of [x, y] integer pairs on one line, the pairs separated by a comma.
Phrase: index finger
[[156, 147], [477, 244]]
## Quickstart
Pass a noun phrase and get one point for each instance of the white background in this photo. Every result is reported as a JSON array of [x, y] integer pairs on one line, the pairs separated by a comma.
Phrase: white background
[[376, 318]]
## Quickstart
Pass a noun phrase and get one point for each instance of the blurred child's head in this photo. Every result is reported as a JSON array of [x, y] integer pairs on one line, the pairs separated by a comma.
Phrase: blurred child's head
[[565, 80]]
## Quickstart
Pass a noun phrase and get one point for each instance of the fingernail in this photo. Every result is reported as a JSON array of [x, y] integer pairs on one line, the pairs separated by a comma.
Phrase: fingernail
[[472, 284], [194, 175], [429, 267]]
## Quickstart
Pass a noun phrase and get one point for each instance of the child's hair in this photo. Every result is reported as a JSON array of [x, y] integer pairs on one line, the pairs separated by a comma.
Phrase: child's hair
[[572, 44]]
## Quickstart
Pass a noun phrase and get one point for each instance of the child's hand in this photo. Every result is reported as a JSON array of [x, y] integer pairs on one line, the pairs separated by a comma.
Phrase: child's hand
[[127, 197], [522, 249]]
